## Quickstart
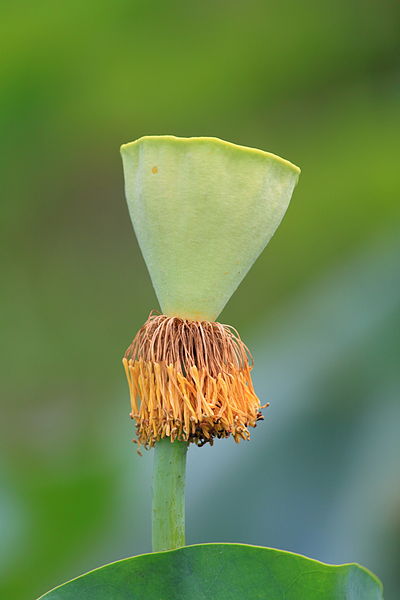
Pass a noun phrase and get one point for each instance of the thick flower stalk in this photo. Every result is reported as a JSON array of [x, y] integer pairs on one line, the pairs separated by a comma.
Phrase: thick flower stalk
[[203, 210]]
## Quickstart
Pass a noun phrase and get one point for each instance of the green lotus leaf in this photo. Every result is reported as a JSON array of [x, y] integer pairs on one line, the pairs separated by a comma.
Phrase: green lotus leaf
[[203, 210], [221, 572]]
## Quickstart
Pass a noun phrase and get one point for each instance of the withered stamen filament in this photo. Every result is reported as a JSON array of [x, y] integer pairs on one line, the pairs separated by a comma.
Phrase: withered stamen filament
[[190, 380]]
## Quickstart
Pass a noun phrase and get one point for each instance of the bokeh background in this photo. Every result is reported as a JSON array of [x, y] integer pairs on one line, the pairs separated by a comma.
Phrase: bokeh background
[[317, 83]]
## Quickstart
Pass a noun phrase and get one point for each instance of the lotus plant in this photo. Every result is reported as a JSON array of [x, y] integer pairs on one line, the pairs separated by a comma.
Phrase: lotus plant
[[203, 210]]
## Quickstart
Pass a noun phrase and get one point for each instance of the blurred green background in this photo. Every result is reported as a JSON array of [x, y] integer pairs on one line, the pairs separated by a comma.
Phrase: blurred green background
[[317, 83]]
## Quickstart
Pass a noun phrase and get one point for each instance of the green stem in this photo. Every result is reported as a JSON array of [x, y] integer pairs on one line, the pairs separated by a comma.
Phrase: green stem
[[169, 495]]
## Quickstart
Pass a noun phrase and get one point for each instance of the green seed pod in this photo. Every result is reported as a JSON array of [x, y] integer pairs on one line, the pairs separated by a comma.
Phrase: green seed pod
[[203, 210]]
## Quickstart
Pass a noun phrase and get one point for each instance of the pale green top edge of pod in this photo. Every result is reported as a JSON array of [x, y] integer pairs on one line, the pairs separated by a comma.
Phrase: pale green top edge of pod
[[215, 140]]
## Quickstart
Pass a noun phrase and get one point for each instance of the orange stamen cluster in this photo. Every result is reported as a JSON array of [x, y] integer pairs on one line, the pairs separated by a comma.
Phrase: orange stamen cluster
[[190, 381]]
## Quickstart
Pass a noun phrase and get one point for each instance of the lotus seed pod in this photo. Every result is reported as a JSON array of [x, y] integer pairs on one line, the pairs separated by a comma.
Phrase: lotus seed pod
[[203, 210]]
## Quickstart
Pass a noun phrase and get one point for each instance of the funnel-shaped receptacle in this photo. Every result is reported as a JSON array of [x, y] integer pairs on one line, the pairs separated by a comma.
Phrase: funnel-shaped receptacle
[[203, 210]]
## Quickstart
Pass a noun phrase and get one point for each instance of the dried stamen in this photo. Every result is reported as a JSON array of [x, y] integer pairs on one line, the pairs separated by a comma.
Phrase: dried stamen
[[190, 380]]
